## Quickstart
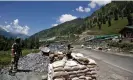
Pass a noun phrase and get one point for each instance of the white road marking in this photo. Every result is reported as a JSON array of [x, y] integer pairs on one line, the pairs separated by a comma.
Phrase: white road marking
[[118, 67]]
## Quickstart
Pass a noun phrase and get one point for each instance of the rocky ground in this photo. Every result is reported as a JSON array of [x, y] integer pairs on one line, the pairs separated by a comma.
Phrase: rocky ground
[[31, 67], [34, 66]]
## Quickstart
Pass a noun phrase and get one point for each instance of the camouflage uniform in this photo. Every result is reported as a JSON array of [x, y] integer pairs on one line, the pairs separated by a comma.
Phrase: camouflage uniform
[[16, 53], [68, 52]]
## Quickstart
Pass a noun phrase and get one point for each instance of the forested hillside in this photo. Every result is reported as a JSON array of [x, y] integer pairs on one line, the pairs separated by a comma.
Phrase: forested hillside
[[66, 28], [109, 19]]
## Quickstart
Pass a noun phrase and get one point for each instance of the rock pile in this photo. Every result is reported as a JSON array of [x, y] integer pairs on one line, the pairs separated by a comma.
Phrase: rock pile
[[78, 68], [34, 62]]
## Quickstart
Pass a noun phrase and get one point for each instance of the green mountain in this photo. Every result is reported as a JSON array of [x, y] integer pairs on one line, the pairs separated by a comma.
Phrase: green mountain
[[109, 19], [67, 28]]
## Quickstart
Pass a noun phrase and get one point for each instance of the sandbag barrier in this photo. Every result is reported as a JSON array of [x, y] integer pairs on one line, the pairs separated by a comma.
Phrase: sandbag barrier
[[78, 68]]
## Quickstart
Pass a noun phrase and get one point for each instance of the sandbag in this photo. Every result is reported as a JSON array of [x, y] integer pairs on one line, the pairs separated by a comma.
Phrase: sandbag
[[75, 78], [88, 75], [60, 63], [82, 77], [60, 56], [71, 63], [58, 69], [51, 55], [92, 69], [60, 73], [60, 52], [92, 62], [79, 55], [72, 73], [91, 66], [88, 78], [80, 58], [80, 74], [94, 76], [59, 79], [93, 72], [76, 68], [82, 67], [67, 68], [76, 55], [72, 76], [86, 70]]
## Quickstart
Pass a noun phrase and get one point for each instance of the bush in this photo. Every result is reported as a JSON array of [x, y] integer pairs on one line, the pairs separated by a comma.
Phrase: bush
[[123, 46]]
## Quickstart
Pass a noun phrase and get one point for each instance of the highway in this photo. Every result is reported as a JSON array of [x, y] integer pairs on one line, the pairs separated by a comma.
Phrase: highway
[[111, 66]]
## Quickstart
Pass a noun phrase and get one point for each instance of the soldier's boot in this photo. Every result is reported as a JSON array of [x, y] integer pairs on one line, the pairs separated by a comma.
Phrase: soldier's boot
[[14, 67], [13, 70]]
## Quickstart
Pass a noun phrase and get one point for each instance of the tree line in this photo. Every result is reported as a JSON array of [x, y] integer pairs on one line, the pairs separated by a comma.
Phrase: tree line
[[115, 10], [29, 43]]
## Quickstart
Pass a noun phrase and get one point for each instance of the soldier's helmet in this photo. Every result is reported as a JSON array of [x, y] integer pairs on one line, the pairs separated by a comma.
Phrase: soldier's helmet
[[18, 39]]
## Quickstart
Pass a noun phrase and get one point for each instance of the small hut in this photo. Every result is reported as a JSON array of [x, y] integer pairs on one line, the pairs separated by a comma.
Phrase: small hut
[[127, 33]]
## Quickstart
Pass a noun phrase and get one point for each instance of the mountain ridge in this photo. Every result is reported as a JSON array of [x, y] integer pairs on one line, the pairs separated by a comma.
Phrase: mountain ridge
[[12, 35]]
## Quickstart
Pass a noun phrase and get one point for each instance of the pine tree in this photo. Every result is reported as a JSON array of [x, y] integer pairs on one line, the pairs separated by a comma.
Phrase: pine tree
[[130, 19], [99, 25], [109, 21], [116, 14], [104, 20]]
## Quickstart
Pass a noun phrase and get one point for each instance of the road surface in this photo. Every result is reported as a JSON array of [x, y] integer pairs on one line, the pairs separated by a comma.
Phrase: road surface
[[111, 66]]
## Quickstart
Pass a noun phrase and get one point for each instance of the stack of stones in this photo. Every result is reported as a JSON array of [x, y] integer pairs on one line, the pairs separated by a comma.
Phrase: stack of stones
[[78, 68]]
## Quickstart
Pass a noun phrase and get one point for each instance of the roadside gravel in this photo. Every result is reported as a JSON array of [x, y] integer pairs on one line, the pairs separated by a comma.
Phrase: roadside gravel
[[31, 67]]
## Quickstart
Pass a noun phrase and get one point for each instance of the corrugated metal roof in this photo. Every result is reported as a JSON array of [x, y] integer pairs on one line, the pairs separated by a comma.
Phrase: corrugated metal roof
[[131, 27]]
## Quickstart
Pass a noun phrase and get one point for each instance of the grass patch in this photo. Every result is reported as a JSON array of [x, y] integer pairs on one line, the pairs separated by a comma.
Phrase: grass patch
[[5, 56], [27, 51], [115, 27]]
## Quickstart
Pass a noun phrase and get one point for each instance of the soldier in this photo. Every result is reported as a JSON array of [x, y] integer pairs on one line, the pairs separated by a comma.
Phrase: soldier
[[16, 54], [68, 54]]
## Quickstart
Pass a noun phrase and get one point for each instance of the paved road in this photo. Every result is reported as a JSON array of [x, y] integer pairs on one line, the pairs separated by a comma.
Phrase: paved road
[[120, 67]]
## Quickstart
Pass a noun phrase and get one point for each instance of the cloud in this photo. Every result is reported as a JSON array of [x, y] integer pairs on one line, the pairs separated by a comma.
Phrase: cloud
[[54, 24], [15, 22], [66, 17], [6, 28], [5, 22], [14, 27], [87, 10], [82, 9], [102, 2], [98, 2], [92, 4]]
